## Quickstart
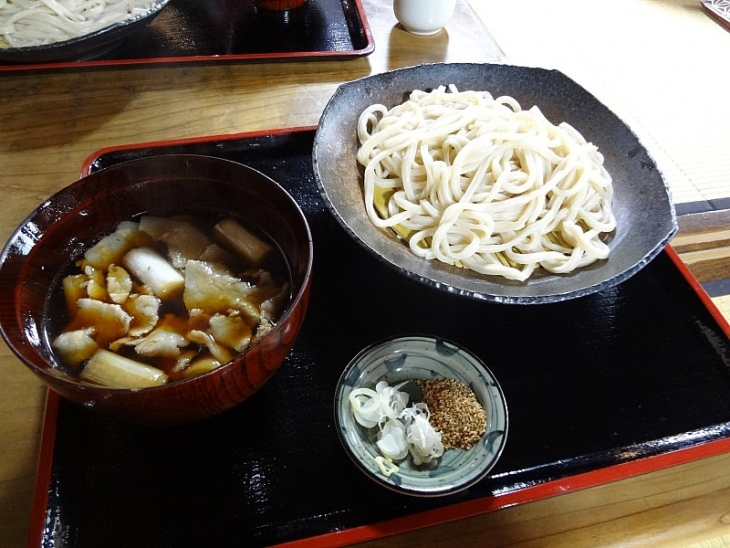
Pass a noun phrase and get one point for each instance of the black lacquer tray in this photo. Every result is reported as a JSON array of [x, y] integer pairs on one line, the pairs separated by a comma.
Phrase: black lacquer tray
[[206, 31], [613, 384]]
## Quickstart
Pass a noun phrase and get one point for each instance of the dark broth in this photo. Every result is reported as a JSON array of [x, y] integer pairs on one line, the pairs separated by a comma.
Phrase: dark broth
[[58, 315]]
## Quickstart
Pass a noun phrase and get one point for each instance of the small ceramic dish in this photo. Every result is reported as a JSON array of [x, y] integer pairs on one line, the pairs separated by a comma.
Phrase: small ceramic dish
[[422, 357]]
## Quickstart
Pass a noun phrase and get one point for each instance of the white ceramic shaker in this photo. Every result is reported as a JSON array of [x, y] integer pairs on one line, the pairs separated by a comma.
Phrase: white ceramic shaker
[[423, 17]]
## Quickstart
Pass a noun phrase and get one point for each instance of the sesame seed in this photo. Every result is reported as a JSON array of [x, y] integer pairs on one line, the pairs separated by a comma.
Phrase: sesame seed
[[455, 412]]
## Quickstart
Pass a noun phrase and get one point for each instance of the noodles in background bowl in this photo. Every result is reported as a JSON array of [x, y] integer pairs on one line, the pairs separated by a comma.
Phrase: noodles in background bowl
[[28, 23], [477, 182]]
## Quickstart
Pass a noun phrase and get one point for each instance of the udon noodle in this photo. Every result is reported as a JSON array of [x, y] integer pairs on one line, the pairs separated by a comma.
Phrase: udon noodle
[[480, 183], [25, 23]]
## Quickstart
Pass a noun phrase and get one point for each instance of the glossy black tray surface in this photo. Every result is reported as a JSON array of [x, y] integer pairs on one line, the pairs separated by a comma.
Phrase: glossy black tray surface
[[238, 31], [635, 371]]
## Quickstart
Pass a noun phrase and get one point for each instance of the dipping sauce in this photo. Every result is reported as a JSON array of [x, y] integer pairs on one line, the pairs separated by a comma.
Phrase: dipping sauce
[[167, 298]]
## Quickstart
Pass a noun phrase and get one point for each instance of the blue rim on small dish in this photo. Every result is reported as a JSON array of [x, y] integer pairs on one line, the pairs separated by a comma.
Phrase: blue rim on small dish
[[420, 357]]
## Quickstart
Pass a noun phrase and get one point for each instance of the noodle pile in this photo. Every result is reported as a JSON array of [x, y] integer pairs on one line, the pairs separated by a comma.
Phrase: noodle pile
[[25, 23], [478, 182]]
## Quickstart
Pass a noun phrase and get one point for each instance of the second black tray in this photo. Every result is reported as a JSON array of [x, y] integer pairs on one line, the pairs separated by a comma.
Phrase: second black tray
[[637, 371], [195, 31]]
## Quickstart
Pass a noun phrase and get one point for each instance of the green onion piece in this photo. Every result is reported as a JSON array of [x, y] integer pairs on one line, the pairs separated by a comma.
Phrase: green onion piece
[[153, 270], [241, 242], [114, 371]]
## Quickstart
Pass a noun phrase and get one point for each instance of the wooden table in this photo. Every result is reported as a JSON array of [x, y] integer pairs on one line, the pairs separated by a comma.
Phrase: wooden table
[[52, 121]]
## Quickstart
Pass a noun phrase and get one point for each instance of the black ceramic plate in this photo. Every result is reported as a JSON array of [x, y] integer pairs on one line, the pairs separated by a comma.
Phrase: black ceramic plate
[[642, 205], [84, 47], [621, 381]]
